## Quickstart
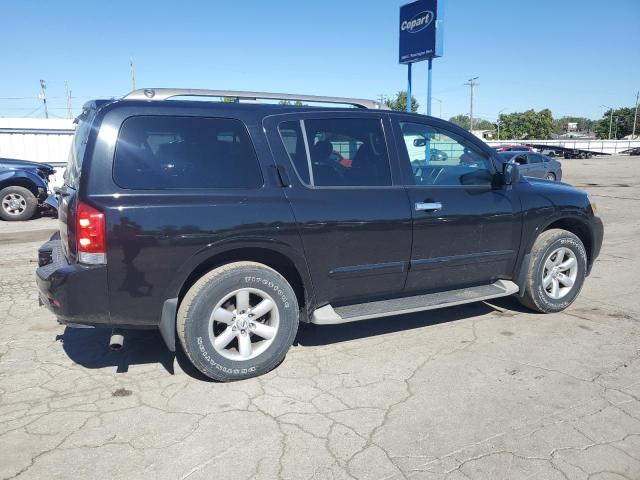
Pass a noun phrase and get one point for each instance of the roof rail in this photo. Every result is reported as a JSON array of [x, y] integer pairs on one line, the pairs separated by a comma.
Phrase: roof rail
[[165, 93]]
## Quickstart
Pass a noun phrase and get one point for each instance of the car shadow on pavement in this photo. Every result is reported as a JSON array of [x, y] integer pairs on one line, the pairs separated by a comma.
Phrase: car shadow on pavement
[[89, 347]]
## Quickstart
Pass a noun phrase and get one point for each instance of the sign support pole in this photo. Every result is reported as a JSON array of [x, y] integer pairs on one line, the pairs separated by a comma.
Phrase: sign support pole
[[429, 87], [408, 87]]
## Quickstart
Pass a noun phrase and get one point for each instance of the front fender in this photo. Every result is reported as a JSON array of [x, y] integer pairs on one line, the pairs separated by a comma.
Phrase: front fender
[[23, 178]]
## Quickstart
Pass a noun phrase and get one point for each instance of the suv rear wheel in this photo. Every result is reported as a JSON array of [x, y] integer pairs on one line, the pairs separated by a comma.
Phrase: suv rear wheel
[[17, 203], [238, 321], [556, 271]]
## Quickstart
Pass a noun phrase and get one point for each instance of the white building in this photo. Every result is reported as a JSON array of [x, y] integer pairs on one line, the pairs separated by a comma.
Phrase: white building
[[37, 139]]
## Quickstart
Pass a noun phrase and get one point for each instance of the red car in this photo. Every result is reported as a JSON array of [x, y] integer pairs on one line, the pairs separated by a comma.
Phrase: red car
[[513, 148]]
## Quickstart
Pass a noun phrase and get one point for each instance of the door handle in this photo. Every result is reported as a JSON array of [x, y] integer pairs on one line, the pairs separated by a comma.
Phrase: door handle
[[428, 206]]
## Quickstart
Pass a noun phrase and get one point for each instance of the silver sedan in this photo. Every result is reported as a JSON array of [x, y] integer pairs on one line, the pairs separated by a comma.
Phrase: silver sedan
[[534, 164]]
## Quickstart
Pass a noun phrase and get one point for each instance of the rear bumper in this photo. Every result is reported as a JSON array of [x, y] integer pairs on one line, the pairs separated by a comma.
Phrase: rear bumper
[[74, 293]]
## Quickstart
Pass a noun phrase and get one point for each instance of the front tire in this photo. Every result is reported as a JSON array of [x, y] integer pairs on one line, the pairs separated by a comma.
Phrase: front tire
[[17, 203], [238, 321], [556, 271], [551, 176]]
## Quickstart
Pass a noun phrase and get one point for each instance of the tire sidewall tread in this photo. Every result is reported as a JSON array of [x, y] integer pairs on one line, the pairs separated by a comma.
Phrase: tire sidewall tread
[[196, 306], [31, 200], [549, 240]]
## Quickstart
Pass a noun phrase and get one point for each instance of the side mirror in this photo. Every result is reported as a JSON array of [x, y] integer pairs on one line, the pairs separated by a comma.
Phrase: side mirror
[[510, 173], [419, 142]]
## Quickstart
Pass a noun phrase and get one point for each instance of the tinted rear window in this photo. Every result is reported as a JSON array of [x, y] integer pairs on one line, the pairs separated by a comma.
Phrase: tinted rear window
[[78, 147], [159, 152], [338, 152]]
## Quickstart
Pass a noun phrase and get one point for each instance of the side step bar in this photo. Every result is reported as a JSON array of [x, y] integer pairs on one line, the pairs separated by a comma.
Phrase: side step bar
[[327, 315]]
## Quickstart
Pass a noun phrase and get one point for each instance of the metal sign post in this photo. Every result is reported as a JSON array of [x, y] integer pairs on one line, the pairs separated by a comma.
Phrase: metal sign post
[[421, 32]]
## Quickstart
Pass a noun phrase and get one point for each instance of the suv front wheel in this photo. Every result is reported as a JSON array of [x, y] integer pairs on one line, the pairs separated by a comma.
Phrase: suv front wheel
[[556, 271], [238, 321], [17, 203]]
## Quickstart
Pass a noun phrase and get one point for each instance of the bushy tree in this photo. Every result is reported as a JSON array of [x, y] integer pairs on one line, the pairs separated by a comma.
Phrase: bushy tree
[[584, 124], [622, 124], [478, 123], [297, 103], [400, 102], [526, 125]]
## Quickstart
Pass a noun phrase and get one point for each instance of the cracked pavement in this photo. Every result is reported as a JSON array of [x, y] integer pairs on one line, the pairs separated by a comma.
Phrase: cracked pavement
[[482, 391]]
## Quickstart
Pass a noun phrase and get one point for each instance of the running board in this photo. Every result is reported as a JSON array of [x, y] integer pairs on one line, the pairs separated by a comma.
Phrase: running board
[[328, 315]]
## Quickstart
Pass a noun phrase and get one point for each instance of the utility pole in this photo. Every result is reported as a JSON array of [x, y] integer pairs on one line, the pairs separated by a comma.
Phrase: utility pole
[[43, 96], [381, 98], [635, 117], [610, 123], [610, 117], [68, 93], [472, 83], [440, 102], [133, 73], [498, 122]]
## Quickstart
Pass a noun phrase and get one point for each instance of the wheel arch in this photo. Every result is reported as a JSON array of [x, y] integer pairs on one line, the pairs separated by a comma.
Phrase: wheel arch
[[579, 228], [20, 181], [572, 223], [291, 266]]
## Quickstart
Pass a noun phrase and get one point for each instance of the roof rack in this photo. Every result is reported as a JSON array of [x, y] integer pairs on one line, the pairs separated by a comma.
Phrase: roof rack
[[165, 93]]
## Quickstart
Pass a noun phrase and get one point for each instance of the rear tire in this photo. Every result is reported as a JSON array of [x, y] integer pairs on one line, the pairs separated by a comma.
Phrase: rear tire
[[254, 324], [556, 271], [17, 203], [551, 176]]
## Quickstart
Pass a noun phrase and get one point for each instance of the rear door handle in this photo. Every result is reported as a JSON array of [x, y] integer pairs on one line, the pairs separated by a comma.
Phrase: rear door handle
[[428, 206]]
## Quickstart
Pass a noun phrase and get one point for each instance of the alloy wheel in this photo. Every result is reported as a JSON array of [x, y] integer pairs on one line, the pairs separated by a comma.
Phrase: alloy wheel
[[559, 273], [243, 324]]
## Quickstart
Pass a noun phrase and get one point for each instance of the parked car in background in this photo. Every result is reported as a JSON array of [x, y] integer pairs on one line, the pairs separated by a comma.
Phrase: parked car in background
[[548, 152], [631, 151], [254, 228], [534, 164], [513, 148], [417, 148], [24, 187]]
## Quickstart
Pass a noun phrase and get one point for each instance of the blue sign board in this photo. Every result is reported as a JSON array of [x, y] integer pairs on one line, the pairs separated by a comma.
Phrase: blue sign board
[[420, 31]]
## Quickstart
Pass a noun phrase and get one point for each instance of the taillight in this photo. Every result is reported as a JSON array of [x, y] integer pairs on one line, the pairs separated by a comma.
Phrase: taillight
[[91, 235]]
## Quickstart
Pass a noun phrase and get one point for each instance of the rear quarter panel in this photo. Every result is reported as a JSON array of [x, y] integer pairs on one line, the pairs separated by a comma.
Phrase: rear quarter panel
[[156, 238]]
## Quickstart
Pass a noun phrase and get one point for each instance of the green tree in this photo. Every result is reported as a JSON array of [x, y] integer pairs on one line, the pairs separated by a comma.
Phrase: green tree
[[621, 126], [584, 124], [297, 103], [400, 102], [478, 123], [526, 125], [462, 121]]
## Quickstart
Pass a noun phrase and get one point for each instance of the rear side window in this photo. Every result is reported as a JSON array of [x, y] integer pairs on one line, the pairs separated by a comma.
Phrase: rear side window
[[338, 152], [78, 147], [162, 152]]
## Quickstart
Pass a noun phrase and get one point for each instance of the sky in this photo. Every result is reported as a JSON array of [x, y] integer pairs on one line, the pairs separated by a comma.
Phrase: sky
[[571, 56]]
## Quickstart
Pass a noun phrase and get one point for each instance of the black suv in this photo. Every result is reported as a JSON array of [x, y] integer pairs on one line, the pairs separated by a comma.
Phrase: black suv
[[224, 224]]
